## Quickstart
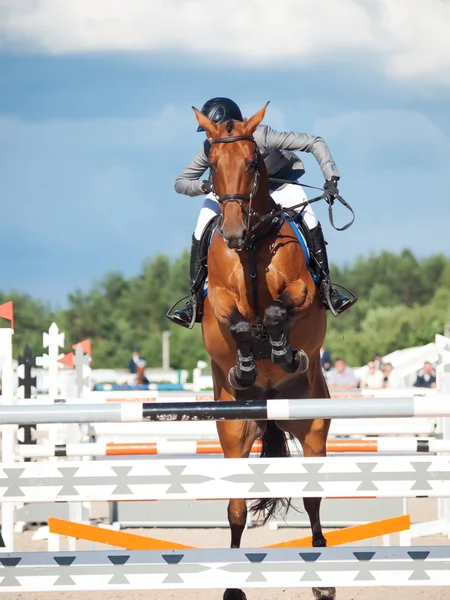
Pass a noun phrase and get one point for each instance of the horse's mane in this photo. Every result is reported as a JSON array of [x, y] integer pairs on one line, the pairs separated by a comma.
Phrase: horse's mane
[[230, 126]]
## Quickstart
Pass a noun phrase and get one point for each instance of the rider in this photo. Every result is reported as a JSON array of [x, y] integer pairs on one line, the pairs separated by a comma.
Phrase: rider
[[281, 162]]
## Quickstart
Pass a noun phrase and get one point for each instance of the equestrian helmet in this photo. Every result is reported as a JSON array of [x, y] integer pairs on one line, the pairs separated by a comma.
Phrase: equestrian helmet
[[219, 110]]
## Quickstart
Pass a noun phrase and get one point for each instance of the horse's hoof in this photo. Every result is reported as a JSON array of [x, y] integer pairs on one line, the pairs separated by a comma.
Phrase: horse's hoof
[[299, 364], [324, 593], [234, 595], [239, 383]]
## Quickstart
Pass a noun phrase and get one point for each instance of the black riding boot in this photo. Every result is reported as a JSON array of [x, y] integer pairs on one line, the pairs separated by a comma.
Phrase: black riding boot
[[197, 269], [331, 298]]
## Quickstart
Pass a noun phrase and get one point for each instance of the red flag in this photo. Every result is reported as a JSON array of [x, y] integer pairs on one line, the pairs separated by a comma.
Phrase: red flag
[[7, 312], [85, 346], [67, 360]]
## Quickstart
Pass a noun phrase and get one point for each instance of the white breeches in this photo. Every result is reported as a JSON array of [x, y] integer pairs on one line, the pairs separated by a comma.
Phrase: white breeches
[[288, 196]]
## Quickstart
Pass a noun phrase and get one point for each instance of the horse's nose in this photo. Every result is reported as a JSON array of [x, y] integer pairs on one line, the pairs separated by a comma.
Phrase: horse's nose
[[236, 243]]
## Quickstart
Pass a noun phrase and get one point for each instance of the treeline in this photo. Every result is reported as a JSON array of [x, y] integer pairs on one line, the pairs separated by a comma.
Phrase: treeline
[[403, 302]]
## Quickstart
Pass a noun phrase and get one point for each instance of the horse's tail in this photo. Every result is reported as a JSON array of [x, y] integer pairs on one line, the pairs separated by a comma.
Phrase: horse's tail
[[274, 445]]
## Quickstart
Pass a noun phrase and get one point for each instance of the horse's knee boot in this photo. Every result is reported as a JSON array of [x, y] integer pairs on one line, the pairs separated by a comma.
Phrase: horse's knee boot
[[242, 333], [299, 364], [241, 380], [275, 317]]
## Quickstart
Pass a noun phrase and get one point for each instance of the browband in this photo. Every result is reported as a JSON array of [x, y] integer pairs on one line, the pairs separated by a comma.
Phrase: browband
[[234, 138]]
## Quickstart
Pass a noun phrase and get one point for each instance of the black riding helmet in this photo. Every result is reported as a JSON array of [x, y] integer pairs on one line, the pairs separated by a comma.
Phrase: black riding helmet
[[219, 110]]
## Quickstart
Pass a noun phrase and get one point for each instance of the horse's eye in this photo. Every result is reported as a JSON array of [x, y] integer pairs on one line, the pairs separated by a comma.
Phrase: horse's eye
[[213, 166], [254, 165]]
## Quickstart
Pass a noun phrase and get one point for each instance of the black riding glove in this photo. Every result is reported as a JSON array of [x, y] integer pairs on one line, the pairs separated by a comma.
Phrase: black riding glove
[[206, 186], [331, 190]]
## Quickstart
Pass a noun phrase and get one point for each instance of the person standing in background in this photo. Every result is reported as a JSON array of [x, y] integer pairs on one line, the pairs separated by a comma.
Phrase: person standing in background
[[378, 360], [341, 377], [391, 378], [133, 362], [325, 359], [427, 379], [373, 378]]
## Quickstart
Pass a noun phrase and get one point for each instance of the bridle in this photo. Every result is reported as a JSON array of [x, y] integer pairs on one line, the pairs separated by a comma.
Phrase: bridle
[[224, 199]]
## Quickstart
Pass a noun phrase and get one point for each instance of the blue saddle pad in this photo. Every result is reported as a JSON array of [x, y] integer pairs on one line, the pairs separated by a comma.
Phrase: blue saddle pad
[[300, 237]]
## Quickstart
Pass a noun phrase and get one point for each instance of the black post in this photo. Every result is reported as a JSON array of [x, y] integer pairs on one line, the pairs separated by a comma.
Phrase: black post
[[28, 361]]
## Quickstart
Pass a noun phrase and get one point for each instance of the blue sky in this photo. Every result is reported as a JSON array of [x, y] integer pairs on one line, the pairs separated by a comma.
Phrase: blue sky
[[96, 122]]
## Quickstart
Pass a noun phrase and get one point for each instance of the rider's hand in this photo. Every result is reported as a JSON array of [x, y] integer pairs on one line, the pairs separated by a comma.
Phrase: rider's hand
[[206, 186], [331, 190]]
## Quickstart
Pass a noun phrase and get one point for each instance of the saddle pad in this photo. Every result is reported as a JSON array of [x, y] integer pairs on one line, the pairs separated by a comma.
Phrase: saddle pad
[[301, 238]]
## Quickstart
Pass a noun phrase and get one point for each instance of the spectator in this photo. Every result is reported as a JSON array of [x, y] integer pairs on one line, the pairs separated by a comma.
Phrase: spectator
[[391, 379], [139, 377], [373, 378], [132, 363], [325, 359], [378, 360], [428, 378], [341, 377], [140, 374]]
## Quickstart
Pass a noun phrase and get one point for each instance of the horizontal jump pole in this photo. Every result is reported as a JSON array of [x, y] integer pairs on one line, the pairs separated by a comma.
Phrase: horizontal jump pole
[[97, 398], [213, 478], [230, 568], [187, 447], [310, 408], [131, 541]]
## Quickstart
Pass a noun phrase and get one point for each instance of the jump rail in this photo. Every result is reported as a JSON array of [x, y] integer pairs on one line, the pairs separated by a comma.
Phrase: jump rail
[[312, 408], [211, 478], [213, 568], [188, 447]]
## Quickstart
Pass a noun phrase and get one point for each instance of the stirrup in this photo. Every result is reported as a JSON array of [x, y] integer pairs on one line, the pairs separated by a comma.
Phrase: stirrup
[[193, 300], [350, 295], [326, 286]]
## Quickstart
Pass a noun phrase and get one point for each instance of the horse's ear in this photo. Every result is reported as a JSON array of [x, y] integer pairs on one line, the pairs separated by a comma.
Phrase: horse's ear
[[251, 124], [207, 124]]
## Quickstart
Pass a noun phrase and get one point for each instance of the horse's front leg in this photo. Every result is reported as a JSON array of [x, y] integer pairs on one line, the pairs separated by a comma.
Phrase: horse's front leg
[[276, 323], [244, 374]]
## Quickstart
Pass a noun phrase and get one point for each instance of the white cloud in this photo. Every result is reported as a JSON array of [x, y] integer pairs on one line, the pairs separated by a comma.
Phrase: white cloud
[[408, 38]]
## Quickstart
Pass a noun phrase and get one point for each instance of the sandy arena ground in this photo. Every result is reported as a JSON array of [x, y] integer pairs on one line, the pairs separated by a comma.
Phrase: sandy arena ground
[[420, 510]]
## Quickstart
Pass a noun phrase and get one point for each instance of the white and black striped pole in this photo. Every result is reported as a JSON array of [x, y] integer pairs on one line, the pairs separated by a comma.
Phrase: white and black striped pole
[[311, 408]]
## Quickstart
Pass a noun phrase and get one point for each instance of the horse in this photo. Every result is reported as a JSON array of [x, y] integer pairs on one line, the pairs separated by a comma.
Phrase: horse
[[260, 290]]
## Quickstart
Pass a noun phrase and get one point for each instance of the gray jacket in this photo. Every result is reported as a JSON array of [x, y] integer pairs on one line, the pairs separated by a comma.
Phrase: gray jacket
[[277, 148]]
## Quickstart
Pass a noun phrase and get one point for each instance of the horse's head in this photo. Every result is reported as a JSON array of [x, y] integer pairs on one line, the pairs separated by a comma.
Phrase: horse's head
[[235, 170]]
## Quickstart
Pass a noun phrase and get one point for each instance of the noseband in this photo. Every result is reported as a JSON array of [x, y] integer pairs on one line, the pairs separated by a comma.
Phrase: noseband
[[239, 198]]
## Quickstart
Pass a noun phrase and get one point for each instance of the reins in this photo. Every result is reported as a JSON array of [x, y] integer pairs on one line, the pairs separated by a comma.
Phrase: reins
[[325, 196], [274, 215]]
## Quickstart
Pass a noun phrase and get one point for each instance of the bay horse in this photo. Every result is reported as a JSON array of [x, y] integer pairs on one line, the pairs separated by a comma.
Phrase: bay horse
[[259, 284]]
